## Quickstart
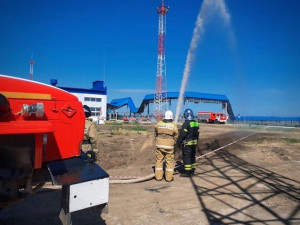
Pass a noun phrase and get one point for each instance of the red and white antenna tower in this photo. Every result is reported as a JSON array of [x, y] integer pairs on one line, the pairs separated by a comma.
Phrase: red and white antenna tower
[[31, 62], [160, 98]]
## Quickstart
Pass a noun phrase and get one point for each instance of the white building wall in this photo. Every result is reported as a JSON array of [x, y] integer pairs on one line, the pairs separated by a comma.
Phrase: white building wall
[[94, 104]]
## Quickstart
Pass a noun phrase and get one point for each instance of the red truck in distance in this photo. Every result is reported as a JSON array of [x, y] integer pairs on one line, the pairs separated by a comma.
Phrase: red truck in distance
[[212, 117]]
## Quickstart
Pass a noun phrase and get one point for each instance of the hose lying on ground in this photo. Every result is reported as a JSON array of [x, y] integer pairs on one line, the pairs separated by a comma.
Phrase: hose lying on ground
[[130, 180], [151, 176], [135, 180]]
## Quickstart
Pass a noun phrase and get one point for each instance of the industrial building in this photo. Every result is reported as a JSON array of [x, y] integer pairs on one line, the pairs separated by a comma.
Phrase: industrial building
[[170, 96], [95, 98], [195, 97]]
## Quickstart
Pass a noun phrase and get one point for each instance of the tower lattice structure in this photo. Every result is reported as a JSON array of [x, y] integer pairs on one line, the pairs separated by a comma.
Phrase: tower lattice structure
[[31, 62], [160, 98]]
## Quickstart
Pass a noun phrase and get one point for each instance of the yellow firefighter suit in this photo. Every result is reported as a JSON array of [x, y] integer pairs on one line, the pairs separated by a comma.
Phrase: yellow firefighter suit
[[90, 136], [166, 134]]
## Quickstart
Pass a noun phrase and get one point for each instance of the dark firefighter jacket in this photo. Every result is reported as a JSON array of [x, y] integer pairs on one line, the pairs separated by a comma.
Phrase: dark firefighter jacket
[[189, 133]]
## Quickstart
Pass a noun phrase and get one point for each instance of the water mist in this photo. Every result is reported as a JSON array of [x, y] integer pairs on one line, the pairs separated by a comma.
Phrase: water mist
[[208, 8]]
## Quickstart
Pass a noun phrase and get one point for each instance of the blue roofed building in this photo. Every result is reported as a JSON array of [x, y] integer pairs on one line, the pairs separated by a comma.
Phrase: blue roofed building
[[170, 96]]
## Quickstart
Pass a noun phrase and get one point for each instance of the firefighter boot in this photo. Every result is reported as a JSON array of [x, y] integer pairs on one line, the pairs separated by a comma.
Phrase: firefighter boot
[[169, 174], [186, 173], [193, 168], [193, 172]]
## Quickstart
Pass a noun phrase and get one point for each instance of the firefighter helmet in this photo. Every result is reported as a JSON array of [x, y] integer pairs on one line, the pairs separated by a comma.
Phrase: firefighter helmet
[[87, 111], [188, 114], [168, 115]]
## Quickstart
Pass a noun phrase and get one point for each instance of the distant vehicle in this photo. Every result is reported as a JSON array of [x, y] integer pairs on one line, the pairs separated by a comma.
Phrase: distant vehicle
[[211, 117]]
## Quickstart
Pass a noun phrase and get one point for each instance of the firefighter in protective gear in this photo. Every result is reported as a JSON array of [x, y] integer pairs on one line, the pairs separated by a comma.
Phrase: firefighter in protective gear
[[166, 134], [89, 144], [188, 139]]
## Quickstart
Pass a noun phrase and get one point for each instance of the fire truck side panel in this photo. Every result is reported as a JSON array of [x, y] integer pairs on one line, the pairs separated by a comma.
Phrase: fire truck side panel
[[51, 108], [18, 88], [38, 123], [41, 130], [203, 117], [63, 119], [65, 141]]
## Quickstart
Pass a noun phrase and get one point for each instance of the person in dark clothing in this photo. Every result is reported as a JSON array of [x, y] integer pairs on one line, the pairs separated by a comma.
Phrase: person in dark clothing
[[187, 140]]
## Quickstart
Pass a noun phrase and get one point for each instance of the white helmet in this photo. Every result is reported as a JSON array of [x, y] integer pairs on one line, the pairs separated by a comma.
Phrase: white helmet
[[168, 115]]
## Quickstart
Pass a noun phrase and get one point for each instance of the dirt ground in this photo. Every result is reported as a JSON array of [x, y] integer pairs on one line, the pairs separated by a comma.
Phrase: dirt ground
[[253, 181]]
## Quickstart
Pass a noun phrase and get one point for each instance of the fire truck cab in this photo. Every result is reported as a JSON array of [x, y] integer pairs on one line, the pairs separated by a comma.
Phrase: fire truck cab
[[211, 117]]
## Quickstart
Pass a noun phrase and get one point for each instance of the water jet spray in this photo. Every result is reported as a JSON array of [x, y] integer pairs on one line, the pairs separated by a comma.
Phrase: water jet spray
[[208, 7]]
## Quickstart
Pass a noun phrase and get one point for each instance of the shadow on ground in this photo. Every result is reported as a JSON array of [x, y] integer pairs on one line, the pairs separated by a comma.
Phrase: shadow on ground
[[249, 194], [43, 208]]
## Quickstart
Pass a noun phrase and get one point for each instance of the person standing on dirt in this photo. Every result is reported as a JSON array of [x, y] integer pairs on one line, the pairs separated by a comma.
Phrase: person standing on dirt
[[188, 139], [166, 134], [89, 144]]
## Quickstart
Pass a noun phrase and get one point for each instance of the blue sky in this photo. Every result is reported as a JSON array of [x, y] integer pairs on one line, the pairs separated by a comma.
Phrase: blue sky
[[80, 41]]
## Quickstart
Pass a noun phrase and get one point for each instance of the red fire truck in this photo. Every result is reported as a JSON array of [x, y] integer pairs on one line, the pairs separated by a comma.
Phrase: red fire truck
[[41, 130], [211, 117]]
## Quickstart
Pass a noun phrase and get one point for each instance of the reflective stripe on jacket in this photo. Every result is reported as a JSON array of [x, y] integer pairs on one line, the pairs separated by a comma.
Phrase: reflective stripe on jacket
[[189, 133], [166, 134]]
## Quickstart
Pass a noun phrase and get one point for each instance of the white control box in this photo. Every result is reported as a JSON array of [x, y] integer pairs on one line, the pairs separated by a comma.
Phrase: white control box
[[88, 194]]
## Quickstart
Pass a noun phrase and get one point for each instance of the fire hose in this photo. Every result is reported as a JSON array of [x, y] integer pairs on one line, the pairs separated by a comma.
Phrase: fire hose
[[136, 179], [129, 180]]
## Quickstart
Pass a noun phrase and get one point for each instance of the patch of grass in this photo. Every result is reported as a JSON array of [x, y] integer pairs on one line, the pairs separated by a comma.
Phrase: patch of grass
[[126, 129], [113, 123], [267, 128], [253, 127], [245, 127], [136, 128], [291, 140], [281, 129], [118, 131]]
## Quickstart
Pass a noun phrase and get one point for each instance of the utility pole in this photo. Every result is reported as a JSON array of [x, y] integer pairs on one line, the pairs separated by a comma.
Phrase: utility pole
[[160, 98]]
